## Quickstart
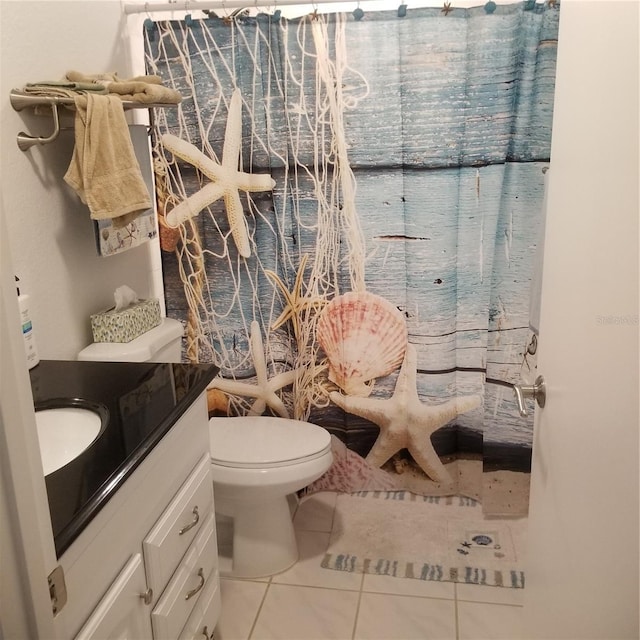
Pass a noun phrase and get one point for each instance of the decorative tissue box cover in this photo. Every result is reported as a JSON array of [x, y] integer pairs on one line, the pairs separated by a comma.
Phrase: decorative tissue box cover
[[126, 325]]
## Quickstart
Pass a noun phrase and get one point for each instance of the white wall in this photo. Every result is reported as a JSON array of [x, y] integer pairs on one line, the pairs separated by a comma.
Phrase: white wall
[[50, 232]]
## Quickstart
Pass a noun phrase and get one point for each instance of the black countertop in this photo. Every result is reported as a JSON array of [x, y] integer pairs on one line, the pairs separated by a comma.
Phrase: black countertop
[[143, 400]]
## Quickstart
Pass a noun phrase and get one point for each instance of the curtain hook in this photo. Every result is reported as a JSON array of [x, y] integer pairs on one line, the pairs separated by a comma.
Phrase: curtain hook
[[148, 23], [490, 7], [188, 20], [276, 12], [187, 16], [227, 19]]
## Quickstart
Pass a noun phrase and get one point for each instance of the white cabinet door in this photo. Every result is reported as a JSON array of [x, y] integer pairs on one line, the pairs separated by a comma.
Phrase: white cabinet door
[[121, 614]]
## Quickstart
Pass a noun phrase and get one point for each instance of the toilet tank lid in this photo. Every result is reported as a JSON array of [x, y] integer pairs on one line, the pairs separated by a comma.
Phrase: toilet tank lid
[[141, 349]]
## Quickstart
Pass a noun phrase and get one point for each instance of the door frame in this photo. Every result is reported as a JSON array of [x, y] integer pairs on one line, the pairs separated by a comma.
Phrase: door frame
[[27, 551]]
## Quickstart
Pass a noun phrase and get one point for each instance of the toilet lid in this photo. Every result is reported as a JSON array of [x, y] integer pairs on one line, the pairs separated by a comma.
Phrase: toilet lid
[[263, 441]]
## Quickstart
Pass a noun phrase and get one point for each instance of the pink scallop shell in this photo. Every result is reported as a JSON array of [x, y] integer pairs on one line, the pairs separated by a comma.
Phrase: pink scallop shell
[[364, 337]]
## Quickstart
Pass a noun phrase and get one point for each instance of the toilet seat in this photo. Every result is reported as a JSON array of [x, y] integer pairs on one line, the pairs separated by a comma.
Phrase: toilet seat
[[265, 442]]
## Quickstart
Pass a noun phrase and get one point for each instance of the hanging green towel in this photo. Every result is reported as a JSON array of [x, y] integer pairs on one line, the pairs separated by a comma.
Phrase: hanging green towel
[[104, 170], [66, 86]]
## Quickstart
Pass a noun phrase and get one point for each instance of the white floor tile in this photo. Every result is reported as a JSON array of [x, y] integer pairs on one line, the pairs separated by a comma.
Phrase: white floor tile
[[306, 613], [315, 512], [408, 587], [479, 621], [240, 603], [307, 602], [491, 595], [387, 617], [312, 546]]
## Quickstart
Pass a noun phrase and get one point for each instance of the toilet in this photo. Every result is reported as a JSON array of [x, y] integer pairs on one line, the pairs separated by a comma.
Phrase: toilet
[[161, 344], [257, 464]]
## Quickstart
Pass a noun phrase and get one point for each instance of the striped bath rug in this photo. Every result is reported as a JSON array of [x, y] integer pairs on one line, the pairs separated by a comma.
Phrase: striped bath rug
[[404, 535]]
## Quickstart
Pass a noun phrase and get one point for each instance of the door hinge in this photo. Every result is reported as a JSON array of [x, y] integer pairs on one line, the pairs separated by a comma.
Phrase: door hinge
[[57, 589]]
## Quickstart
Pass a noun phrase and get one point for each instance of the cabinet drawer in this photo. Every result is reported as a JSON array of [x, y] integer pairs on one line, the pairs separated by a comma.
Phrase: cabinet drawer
[[205, 614], [185, 588], [165, 545]]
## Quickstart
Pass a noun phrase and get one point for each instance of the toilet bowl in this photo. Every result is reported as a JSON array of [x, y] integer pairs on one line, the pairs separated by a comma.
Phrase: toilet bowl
[[256, 462]]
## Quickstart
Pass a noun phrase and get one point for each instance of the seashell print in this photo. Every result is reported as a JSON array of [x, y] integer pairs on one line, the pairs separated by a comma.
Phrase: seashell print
[[364, 337], [482, 540]]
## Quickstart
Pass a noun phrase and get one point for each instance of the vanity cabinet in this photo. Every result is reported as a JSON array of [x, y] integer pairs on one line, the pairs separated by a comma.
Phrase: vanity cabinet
[[146, 567]]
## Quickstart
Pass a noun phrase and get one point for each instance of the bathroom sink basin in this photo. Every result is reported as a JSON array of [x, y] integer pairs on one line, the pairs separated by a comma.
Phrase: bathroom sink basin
[[66, 430]]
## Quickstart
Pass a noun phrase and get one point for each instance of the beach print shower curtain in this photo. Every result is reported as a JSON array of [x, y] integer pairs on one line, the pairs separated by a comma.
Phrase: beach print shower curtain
[[350, 207]]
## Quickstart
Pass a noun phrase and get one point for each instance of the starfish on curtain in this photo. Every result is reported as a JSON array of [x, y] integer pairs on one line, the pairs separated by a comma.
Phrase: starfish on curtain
[[296, 303], [264, 390], [405, 422], [226, 178]]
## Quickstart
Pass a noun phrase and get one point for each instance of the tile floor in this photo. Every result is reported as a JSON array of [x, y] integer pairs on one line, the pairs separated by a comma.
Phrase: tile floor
[[307, 602]]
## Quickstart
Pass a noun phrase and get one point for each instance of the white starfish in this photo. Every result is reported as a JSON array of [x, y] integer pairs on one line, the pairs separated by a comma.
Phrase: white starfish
[[265, 389], [227, 178], [405, 422]]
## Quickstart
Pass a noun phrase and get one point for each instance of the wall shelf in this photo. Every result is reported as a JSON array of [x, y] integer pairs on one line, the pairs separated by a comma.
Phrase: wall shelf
[[21, 100]]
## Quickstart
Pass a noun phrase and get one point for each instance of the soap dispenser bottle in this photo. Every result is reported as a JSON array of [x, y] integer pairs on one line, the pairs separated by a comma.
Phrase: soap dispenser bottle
[[30, 348]]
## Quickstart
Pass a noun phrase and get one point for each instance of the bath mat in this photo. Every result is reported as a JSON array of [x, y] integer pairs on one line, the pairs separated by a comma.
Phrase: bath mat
[[404, 535]]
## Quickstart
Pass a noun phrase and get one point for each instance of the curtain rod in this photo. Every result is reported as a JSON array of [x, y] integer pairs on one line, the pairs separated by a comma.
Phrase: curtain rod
[[191, 5]]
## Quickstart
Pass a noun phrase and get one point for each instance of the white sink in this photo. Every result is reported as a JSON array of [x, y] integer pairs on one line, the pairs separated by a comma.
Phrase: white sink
[[64, 433]]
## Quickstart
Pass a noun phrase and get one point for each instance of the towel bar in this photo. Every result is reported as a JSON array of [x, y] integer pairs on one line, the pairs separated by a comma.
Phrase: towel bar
[[20, 100]]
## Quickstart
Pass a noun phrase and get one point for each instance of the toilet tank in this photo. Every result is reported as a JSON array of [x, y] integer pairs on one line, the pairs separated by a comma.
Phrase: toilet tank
[[162, 344]]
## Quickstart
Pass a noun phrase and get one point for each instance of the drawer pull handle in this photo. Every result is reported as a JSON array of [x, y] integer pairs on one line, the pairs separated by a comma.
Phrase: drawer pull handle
[[193, 523], [147, 596], [193, 592], [205, 633]]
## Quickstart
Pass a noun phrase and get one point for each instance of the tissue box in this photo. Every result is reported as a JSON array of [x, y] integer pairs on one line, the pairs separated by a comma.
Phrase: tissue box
[[126, 325]]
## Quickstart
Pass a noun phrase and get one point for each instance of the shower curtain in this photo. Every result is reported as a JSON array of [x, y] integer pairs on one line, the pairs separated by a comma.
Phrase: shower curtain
[[350, 207]]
